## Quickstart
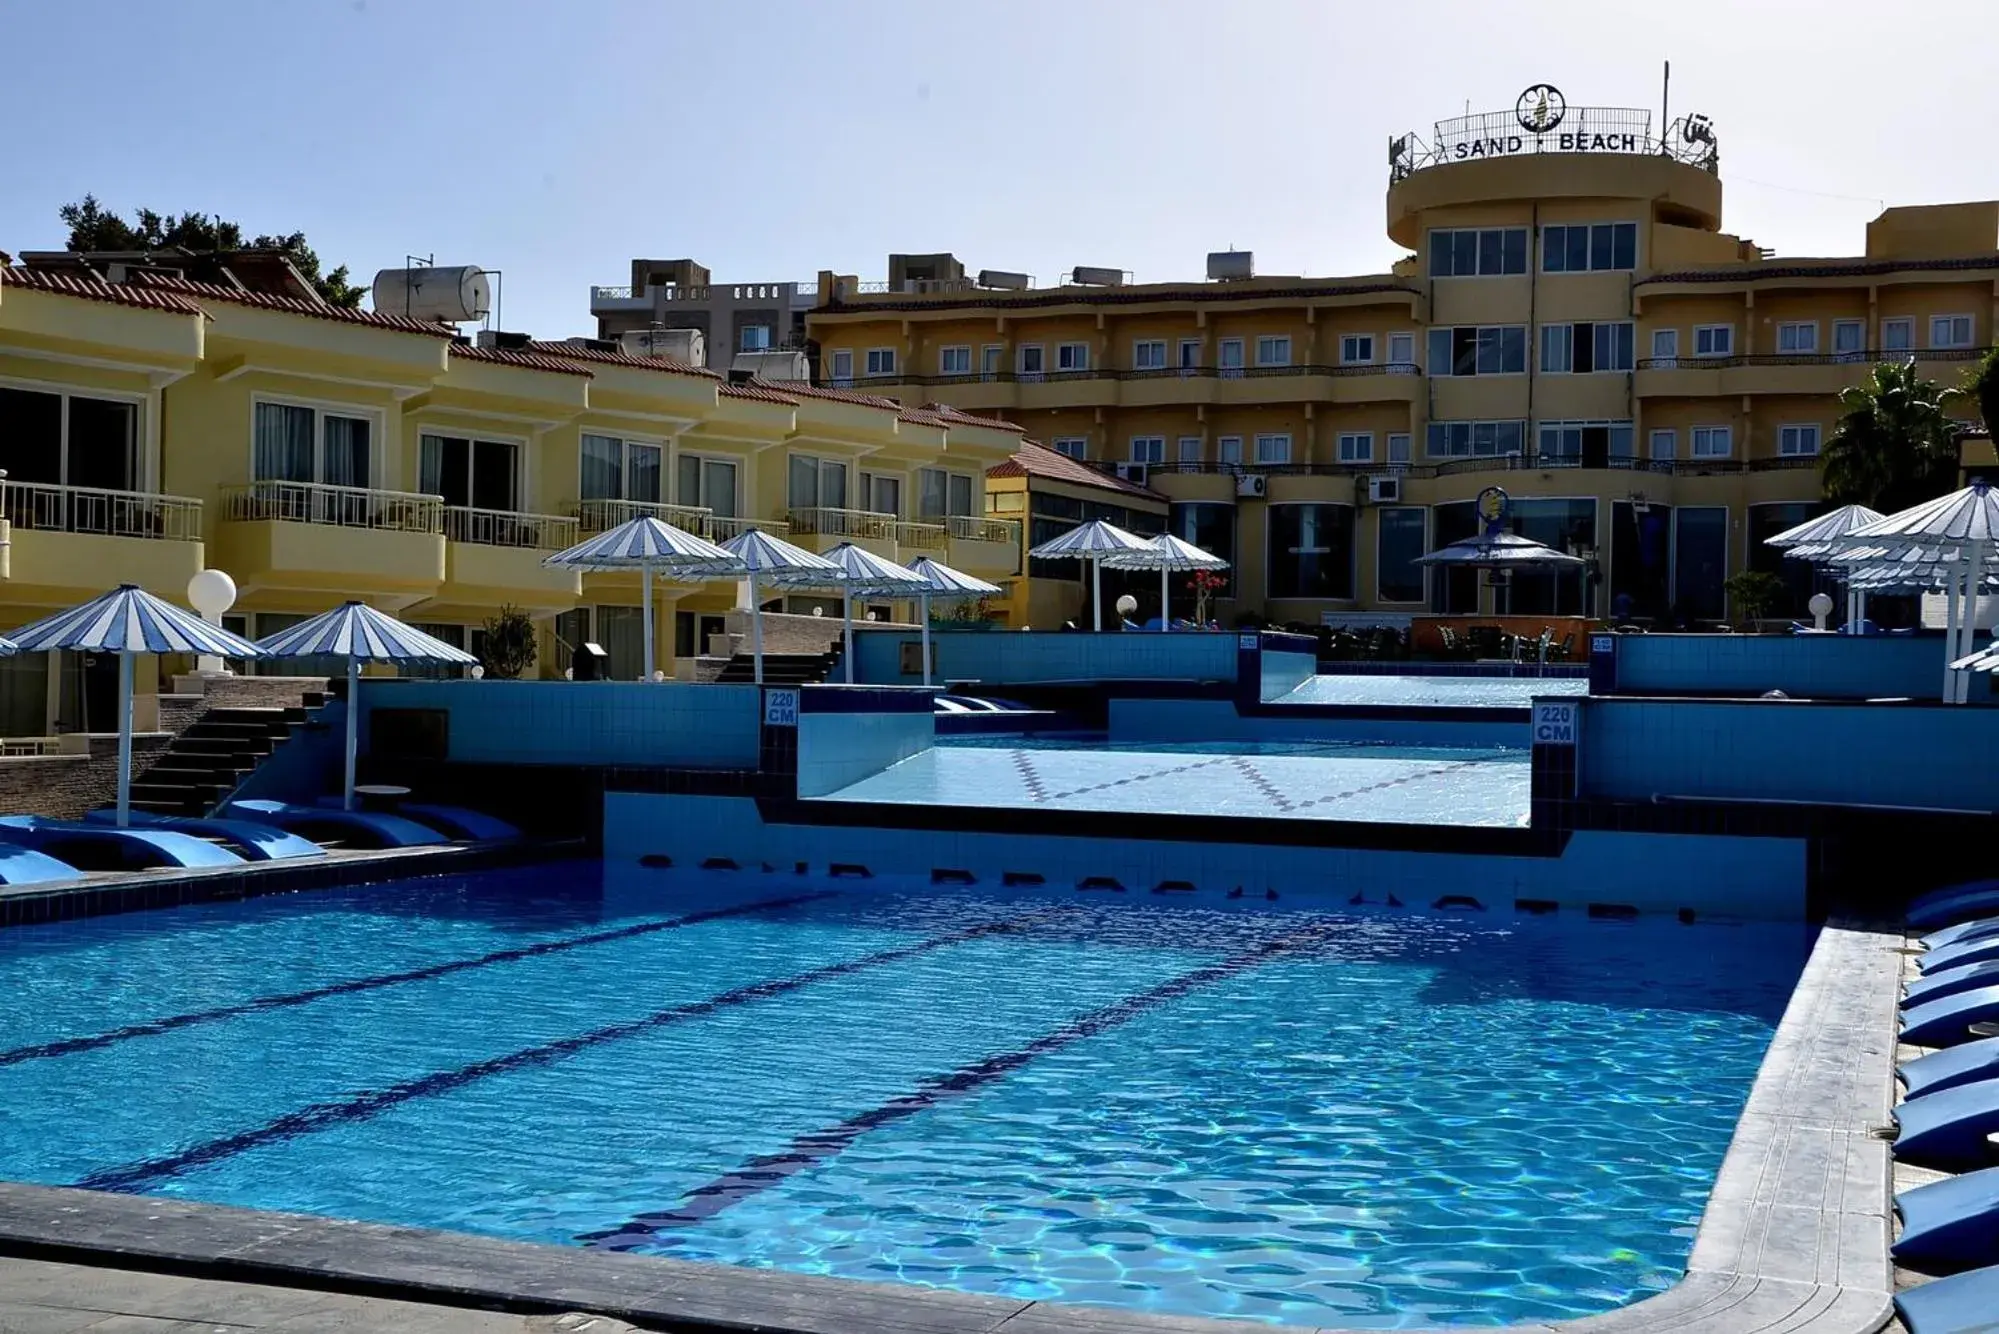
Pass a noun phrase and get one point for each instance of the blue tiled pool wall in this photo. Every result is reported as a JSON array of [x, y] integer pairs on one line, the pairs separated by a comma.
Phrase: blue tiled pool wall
[[846, 734], [1711, 875], [999, 658], [1804, 666], [1138, 721], [1283, 672], [1504, 671], [600, 722]]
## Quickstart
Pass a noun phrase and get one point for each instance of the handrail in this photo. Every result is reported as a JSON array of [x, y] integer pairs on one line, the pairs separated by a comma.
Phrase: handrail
[[509, 528], [1872, 357], [722, 527], [338, 506], [922, 534], [88, 509], [610, 293], [597, 516], [828, 521], [978, 528], [1148, 373], [1474, 464]]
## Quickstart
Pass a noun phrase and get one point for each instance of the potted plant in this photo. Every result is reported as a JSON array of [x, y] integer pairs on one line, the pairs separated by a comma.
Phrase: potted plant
[[509, 649], [1206, 585], [1751, 594]]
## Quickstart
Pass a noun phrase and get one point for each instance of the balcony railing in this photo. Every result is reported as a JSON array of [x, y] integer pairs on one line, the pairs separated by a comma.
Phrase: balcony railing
[[828, 522], [723, 527], [610, 294], [85, 509], [976, 528], [1147, 373], [338, 506], [923, 536], [597, 516], [1452, 467], [1895, 356], [507, 528]]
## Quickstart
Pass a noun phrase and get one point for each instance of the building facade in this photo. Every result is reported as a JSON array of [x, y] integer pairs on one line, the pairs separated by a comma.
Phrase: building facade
[[733, 319], [153, 424], [1571, 324]]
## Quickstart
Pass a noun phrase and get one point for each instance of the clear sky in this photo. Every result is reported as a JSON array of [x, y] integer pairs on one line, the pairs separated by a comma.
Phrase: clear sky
[[769, 139]]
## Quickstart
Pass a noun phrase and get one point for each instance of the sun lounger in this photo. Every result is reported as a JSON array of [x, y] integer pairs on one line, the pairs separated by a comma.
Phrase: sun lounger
[[1947, 1129], [1959, 954], [1950, 982], [459, 821], [253, 841], [1961, 1304], [1950, 935], [25, 866], [1947, 1021], [1950, 1067], [368, 828], [80, 843], [1959, 903], [1951, 1225]]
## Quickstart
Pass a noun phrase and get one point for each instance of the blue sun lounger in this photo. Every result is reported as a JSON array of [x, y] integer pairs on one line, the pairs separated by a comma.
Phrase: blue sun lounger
[[1951, 1224], [1946, 1069], [370, 827], [248, 839], [452, 821], [1947, 907], [1947, 1021], [136, 848], [1978, 949], [1950, 982], [25, 866], [1966, 1303], [1947, 1130], [1950, 935]]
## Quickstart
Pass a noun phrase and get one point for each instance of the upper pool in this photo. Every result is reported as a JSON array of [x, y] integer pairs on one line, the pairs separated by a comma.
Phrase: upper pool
[[1289, 1111], [1490, 692]]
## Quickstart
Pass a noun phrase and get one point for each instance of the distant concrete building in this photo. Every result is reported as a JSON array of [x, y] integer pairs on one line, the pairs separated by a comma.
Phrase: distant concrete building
[[734, 319]]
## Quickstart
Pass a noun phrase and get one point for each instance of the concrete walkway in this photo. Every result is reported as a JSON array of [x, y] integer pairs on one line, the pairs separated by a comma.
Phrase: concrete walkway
[[37, 1297]]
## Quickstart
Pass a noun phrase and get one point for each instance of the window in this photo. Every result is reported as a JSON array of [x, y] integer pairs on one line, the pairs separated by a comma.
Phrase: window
[[59, 439], [1481, 350], [1711, 442], [1211, 526], [817, 483], [1665, 444], [1583, 348], [1399, 540], [1033, 361], [753, 338], [1273, 350], [1475, 439], [1273, 447], [954, 361], [1898, 335], [1481, 252], [1402, 349], [1148, 449], [1665, 345], [1311, 551], [881, 361], [1580, 247], [1700, 561], [1228, 450], [1714, 340], [1190, 354], [940, 493], [1800, 338], [1189, 449], [1230, 358], [1587, 444], [881, 493], [1797, 441], [483, 474], [1149, 354], [842, 368], [706, 483], [1072, 356], [1950, 331], [1398, 446], [990, 357], [1849, 339], [302, 444], [1356, 349], [615, 469], [1356, 446], [1075, 446]]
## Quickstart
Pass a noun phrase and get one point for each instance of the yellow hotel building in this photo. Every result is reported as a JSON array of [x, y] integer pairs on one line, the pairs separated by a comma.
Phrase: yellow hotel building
[[158, 419], [1571, 324]]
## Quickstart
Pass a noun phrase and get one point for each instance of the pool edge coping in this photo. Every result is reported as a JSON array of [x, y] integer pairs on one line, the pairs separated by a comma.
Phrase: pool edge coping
[[1794, 1236]]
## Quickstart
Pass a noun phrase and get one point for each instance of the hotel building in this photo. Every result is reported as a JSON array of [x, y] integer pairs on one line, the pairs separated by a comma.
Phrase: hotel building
[[1571, 324]]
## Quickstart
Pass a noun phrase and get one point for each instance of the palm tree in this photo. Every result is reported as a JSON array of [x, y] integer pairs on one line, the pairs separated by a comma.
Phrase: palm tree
[[1894, 444], [1983, 384]]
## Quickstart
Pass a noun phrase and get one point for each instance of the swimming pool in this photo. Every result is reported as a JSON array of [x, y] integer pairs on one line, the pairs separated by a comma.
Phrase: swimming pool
[[1288, 1111], [1489, 692]]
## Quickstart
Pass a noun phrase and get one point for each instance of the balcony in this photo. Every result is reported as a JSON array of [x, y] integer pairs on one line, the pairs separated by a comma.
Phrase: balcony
[[72, 540], [495, 556], [820, 528], [722, 527], [1787, 373], [331, 539], [598, 516], [989, 548]]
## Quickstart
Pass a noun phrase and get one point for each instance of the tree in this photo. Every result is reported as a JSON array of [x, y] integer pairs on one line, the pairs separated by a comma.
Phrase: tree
[[1752, 593], [509, 649], [1894, 444], [94, 227], [1983, 385]]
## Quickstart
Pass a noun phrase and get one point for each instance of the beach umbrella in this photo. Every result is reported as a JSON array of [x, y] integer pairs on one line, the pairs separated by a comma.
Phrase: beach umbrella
[[128, 621], [776, 562], [1966, 520], [651, 547], [863, 572], [1092, 542], [1499, 551], [357, 632], [941, 581], [1167, 554], [1827, 527]]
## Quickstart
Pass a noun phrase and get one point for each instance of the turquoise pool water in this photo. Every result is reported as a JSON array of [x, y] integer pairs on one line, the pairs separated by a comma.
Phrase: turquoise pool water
[[1487, 692], [1284, 1111]]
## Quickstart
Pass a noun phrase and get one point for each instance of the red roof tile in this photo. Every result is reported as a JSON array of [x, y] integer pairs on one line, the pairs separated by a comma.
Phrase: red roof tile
[[925, 417], [761, 393], [166, 282], [959, 417], [91, 289], [1034, 460], [804, 390], [664, 364], [531, 361]]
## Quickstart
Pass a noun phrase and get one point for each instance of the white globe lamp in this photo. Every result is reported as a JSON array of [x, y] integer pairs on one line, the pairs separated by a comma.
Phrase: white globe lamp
[[211, 592], [1126, 605], [1820, 607]]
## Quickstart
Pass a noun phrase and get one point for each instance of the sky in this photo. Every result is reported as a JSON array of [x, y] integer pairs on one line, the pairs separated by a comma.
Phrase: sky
[[770, 139]]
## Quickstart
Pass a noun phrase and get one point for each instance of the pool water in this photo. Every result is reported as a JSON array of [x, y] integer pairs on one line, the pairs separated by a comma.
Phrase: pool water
[[1487, 692], [1286, 1111], [1489, 785]]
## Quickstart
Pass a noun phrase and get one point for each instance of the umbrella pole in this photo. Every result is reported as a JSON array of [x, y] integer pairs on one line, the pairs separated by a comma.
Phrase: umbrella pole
[[756, 629], [847, 632], [925, 614], [1950, 638], [353, 727], [645, 596], [124, 740], [1165, 613], [1972, 579], [1096, 594]]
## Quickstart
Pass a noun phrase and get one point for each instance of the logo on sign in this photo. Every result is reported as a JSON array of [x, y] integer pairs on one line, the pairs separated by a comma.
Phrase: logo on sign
[[1554, 724], [1602, 644], [1541, 108], [780, 708], [1245, 641]]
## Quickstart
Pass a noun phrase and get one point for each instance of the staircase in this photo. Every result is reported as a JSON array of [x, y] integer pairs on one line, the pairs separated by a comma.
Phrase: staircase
[[781, 669], [206, 761]]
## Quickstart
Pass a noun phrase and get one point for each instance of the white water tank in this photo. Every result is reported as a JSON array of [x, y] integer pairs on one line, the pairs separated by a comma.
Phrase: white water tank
[[789, 365], [687, 345], [1003, 279], [1086, 276], [450, 295]]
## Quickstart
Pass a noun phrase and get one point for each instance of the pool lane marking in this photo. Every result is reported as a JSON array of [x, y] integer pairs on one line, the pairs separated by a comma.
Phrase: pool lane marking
[[135, 1178], [766, 1171], [153, 1027]]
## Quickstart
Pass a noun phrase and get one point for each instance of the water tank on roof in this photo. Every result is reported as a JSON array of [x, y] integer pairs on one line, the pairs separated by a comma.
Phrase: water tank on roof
[[772, 365], [1084, 276], [687, 345], [447, 295], [1003, 280], [1231, 265]]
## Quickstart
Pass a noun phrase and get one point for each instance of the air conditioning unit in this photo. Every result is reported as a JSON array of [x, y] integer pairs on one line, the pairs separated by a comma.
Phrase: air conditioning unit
[[1384, 490], [1252, 484], [1133, 472]]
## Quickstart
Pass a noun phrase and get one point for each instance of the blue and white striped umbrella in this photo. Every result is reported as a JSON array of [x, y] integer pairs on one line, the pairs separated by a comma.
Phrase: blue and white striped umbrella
[[130, 620], [1166, 554], [359, 633], [941, 581], [1826, 528], [646, 541], [771, 560], [863, 572], [1967, 521], [1094, 539]]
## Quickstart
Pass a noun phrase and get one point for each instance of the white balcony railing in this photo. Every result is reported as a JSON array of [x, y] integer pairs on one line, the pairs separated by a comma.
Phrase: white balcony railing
[[978, 528], [508, 528], [86, 509], [829, 522], [597, 516], [722, 527], [920, 535], [602, 294], [338, 506]]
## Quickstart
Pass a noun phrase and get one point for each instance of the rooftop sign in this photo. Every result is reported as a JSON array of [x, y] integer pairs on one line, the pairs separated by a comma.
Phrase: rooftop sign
[[1542, 121]]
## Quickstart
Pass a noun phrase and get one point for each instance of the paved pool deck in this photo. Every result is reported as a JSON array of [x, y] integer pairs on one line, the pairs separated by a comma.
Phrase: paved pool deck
[[1794, 1239]]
